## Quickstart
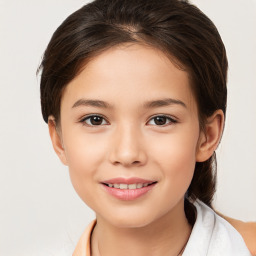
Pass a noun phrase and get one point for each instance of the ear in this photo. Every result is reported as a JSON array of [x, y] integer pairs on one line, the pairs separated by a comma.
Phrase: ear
[[210, 137], [56, 138]]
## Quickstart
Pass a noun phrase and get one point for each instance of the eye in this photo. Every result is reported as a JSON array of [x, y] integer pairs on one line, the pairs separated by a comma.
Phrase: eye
[[94, 120], [161, 120]]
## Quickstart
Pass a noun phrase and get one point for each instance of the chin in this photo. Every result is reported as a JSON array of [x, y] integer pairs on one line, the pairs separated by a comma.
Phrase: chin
[[130, 220], [131, 223]]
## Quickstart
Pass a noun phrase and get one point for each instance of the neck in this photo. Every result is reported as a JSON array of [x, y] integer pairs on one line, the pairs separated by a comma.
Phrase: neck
[[165, 236]]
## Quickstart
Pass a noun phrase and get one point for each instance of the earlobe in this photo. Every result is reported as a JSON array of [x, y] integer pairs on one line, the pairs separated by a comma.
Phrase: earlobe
[[210, 137], [56, 140]]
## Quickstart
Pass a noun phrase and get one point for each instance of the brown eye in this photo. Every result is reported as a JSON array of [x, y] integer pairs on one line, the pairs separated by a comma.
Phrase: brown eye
[[161, 120], [94, 120]]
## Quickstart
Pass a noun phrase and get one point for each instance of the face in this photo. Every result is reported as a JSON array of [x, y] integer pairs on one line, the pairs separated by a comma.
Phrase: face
[[129, 133]]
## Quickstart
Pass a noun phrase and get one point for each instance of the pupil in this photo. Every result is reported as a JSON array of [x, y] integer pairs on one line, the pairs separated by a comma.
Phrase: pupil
[[96, 120], [160, 120]]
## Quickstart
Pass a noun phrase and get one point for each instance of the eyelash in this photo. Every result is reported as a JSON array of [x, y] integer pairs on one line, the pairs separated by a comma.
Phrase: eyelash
[[168, 118], [83, 121]]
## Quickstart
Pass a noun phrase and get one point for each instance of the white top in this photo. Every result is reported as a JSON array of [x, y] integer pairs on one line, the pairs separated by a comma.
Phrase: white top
[[213, 236]]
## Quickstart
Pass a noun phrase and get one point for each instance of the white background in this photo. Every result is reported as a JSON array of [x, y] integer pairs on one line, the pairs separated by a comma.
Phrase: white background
[[39, 210]]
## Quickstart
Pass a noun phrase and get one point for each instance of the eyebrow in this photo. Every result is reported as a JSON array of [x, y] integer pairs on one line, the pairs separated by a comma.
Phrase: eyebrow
[[148, 104], [163, 103], [91, 103]]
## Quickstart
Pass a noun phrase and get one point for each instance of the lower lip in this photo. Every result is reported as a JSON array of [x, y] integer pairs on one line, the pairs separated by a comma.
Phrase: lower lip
[[128, 194]]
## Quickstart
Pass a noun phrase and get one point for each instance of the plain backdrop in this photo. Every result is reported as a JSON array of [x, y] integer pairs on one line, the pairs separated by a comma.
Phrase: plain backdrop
[[39, 210]]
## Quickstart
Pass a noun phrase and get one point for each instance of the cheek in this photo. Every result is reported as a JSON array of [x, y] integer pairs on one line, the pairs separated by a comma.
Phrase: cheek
[[84, 155], [176, 156], [83, 151]]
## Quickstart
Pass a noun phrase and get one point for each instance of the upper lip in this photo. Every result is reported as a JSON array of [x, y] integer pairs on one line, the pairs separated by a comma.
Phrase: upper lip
[[133, 180]]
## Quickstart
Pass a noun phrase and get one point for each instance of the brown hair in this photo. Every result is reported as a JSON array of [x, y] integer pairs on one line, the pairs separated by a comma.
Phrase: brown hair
[[178, 28]]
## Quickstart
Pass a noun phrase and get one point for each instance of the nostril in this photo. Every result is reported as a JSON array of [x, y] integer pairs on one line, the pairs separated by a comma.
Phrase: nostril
[[127, 156], [126, 163]]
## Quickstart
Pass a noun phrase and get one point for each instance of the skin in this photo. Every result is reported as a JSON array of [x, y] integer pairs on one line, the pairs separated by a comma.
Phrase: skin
[[247, 231], [129, 143]]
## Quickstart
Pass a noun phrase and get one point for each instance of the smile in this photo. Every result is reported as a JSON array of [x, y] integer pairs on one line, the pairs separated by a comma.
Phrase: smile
[[128, 189], [128, 186]]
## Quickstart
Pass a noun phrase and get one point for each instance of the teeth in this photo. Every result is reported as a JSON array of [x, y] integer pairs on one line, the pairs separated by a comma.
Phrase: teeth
[[139, 185], [132, 186], [128, 186], [123, 186]]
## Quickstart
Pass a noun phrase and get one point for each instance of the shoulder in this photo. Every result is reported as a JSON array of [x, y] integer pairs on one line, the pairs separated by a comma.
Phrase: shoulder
[[212, 235], [247, 231], [83, 246]]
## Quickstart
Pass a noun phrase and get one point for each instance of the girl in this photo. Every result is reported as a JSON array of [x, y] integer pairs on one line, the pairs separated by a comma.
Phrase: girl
[[134, 94]]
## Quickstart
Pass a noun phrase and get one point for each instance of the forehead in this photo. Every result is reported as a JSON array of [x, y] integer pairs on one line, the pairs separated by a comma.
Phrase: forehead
[[131, 73]]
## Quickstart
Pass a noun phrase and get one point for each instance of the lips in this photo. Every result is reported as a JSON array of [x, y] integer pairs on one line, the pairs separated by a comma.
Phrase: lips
[[127, 186], [128, 189]]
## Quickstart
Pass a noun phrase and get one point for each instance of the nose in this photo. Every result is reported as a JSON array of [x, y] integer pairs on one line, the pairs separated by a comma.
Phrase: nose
[[127, 147]]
